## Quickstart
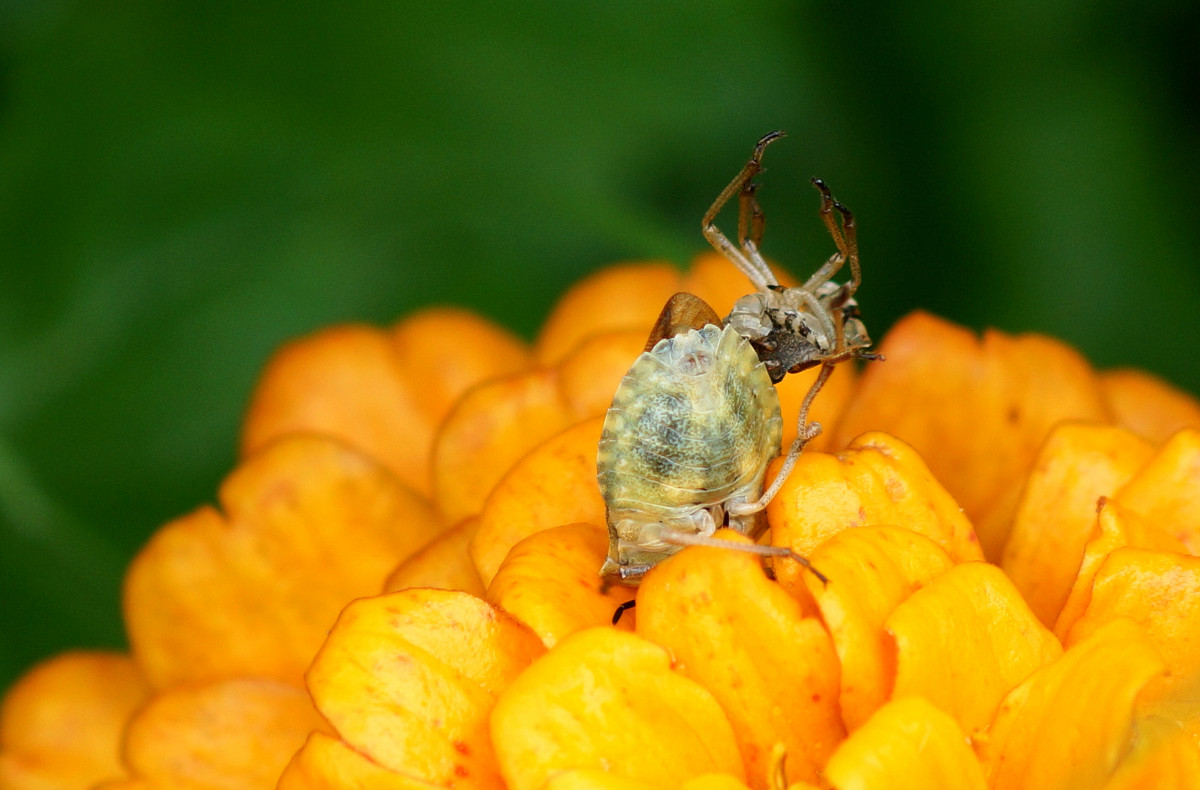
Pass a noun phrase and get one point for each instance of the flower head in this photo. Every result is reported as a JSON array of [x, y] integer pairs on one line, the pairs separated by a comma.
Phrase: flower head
[[399, 586]]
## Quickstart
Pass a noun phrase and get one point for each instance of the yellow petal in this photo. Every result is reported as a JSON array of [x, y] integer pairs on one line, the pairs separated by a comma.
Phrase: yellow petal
[[593, 779], [1147, 405], [325, 763], [826, 409], [607, 699], [497, 422], [408, 680], [382, 391], [1068, 724], [550, 581], [714, 782], [236, 734], [1161, 592], [1116, 527], [61, 723], [443, 564], [591, 373], [628, 296], [877, 480], [488, 430], [742, 637], [553, 485], [976, 410], [964, 640], [1163, 757], [309, 524], [1165, 490], [908, 743], [1078, 464], [870, 571]]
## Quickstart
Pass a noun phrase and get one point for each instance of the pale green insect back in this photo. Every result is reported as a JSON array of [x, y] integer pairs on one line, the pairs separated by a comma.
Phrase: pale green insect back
[[691, 430]]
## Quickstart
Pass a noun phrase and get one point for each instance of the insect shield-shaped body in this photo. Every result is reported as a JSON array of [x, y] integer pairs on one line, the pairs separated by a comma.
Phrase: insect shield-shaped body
[[687, 440]]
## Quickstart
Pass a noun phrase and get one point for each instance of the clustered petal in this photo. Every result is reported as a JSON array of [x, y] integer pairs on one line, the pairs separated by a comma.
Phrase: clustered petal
[[399, 585]]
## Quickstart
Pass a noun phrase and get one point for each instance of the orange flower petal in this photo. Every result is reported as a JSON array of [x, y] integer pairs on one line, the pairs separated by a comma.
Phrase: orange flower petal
[[488, 430], [1163, 756], [1165, 490], [383, 391], [876, 480], [1078, 464], [870, 571], [310, 525], [550, 582], [977, 411], [964, 640], [553, 485], [408, 680], [1147, 405], [1116, 527], [443, 564], [741, 636], [325, 763], [231, 734], [61, 723], [826, 408], [907, 743], [1161, 592], [499, 421], [607, 699], [628, 296], [591, 373], [1068, 724], [593, 779]]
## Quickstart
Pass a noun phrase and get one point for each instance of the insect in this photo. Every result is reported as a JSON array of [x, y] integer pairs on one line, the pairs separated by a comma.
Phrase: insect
[[687, 441], [696, 421]]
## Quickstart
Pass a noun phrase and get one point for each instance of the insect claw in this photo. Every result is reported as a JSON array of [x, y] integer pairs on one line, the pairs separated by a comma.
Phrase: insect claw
[[622, 609], [808, 566], [766, 140]]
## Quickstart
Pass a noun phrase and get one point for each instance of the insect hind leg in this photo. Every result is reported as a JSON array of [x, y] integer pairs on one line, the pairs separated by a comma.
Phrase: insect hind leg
[[685, 539]]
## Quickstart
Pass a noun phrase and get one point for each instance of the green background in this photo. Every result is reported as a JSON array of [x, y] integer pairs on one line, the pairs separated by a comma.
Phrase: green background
[[184, 185]]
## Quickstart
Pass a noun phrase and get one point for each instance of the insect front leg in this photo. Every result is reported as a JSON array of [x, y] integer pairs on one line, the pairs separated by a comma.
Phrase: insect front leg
[[752, 266], [845, 239]]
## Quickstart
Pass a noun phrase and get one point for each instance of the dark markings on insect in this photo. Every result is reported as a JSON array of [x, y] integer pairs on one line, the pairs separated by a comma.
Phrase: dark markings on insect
[[696, 421]]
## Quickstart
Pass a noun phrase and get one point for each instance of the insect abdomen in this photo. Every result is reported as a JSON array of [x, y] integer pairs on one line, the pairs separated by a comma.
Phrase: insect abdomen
[[695, 420]]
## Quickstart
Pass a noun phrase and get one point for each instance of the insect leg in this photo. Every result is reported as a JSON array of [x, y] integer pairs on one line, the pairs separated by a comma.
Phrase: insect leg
[[806, 433], [756, 270], [835, 262], [688, 539], [622, 609]]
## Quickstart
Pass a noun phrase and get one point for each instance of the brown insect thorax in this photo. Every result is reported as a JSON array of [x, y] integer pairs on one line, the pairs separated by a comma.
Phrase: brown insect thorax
[[691, 431], [793, 329]]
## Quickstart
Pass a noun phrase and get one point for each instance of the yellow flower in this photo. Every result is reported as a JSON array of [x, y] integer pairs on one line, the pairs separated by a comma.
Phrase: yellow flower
[[400, 589]]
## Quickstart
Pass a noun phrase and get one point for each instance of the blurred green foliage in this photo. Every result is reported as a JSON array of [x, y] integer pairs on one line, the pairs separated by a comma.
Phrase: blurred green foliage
[[184, 185]]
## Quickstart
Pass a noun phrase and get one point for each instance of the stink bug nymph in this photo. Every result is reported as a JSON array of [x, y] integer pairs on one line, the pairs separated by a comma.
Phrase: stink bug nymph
[[696, 420], [686, 442]]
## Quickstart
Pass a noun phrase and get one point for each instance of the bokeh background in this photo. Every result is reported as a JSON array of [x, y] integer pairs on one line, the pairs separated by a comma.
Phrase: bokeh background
[[184, 185]]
